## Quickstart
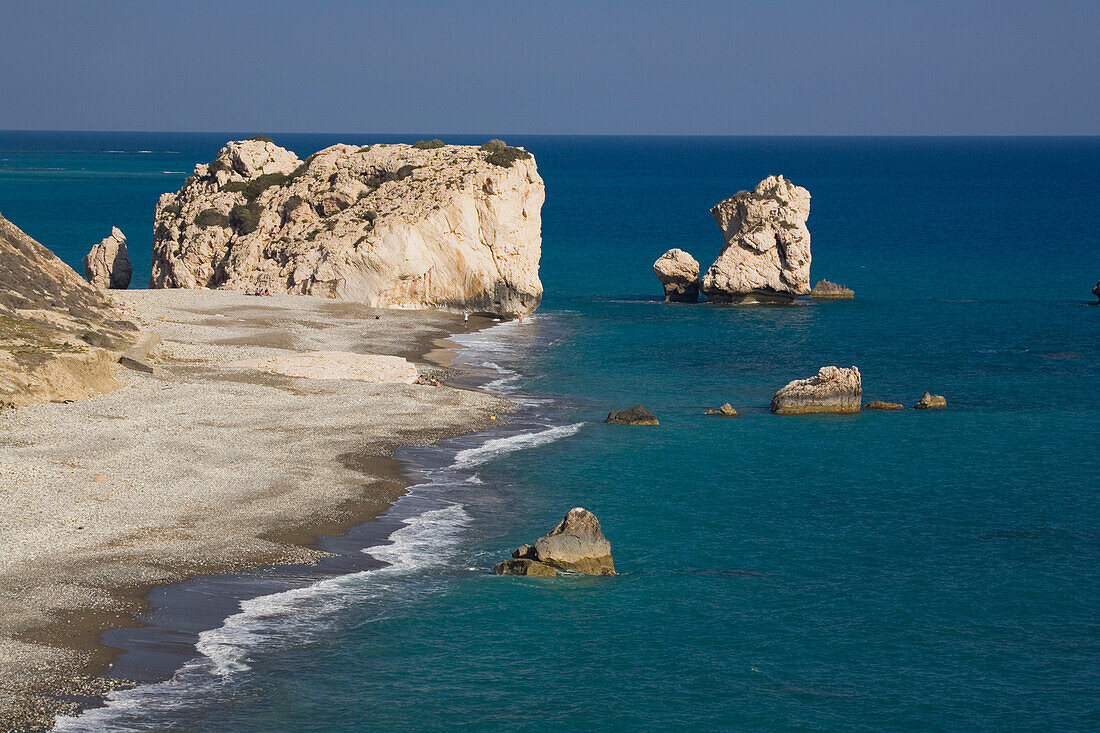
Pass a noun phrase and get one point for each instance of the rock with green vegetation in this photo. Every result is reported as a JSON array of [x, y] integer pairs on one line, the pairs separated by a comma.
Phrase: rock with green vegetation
[[833, 390], [825, 290], [428, 225], [678, 272], [576, 545], [636, 415], [107, 265], [929, 401], [766, 257], [59, 336]]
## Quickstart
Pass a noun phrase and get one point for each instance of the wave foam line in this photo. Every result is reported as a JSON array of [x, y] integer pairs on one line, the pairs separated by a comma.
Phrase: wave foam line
[[274, 621], [497, 447]]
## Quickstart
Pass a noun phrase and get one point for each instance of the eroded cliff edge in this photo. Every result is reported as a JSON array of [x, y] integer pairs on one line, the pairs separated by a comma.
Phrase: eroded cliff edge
[[57, 333], [450, 227]]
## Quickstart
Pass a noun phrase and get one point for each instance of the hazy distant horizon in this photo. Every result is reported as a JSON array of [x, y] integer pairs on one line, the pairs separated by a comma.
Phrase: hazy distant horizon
[[851, 68]]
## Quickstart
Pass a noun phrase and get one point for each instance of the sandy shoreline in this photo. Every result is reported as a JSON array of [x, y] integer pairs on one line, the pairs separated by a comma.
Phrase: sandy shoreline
[[208, 466]]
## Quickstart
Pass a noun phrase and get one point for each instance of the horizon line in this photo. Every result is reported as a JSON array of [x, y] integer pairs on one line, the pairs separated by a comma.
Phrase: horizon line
[[577, 134]]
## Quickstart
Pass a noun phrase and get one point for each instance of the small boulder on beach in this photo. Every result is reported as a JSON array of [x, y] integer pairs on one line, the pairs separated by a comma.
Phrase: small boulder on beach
[[929, 401], [636, 415], [881, 405], [834, 390], [577, 544], [725, 410], [825, 290]]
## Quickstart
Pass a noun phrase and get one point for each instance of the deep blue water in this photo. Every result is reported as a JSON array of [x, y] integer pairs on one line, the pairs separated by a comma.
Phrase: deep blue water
[[884, 571]]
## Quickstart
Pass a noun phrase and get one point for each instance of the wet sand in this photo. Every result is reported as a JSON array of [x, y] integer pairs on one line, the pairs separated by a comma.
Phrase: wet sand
[[206, 466]]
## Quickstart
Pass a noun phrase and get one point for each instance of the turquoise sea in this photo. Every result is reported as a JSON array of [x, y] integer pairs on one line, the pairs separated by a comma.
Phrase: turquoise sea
[[907, 571]]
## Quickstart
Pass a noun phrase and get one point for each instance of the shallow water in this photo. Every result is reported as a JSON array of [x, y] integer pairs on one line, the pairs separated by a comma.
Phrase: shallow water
[[886, 571]]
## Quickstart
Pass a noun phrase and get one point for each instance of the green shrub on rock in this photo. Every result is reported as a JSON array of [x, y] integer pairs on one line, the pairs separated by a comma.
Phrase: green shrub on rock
[[262, 139], [245, 218], [428, 144], [211, 218], [252, 189], [503, 154]]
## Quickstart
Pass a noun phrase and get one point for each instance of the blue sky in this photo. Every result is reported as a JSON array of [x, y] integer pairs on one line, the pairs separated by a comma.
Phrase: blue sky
[[837, 67]]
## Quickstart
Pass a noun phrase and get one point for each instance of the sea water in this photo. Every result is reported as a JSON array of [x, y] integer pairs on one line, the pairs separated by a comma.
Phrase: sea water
[[915, 570]]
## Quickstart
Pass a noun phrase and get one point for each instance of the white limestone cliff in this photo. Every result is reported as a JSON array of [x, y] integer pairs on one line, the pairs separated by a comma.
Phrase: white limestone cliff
[[107, 264], [449, 227]]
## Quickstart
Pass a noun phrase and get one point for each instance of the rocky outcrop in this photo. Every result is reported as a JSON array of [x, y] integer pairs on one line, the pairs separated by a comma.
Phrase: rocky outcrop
[[679, 274], [825, 290], [929, 401], [57, 332], [834, 389], [107, 264], [880, 405], [449, 227], [636, 415], [766, 257], [577, 544], [725, 410]]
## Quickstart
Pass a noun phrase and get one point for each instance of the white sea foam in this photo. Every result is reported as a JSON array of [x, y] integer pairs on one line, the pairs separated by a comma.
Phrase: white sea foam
[[278, 620], [497, 447]]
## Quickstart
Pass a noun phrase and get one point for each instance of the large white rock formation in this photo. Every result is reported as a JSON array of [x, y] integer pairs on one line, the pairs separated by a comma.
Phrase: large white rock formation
[[107, 264], [428, 226], [766, 257]]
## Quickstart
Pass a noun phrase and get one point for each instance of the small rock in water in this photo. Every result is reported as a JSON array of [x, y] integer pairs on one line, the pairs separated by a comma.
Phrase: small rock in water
[[679, 274], [880, 405], [524, 566], [725, 410], [929, 401], [636, 415], [825, 290], [834, 389], [1096, 292], [577, 544]]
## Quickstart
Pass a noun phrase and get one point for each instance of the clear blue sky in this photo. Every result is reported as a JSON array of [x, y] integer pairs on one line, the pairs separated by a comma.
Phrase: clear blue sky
[[842, 67]]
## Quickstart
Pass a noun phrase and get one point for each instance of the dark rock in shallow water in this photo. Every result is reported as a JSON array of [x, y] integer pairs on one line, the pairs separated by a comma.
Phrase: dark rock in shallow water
[[636, 415], [825, 290], [880, 405], [577, 544], [725, 410], [1096, 292], [524, 566], [929, 401]]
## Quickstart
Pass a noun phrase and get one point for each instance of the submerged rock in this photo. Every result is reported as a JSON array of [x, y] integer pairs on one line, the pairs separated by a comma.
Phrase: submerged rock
[[451, 227], [833, 390], [825, 290], [725, 410], [679, 274], [880, 405], [636, 415], [929, 401], [107, 264], [766, 257], [576, 544]]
